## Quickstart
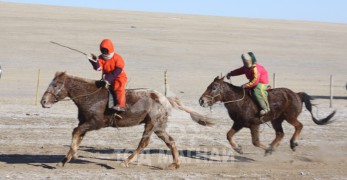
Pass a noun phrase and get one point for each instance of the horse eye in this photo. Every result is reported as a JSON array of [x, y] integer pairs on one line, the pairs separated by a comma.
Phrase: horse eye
[[54, 85], [214, 88]]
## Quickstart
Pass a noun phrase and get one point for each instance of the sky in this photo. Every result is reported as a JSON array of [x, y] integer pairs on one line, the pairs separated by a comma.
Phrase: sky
[[333, 11]]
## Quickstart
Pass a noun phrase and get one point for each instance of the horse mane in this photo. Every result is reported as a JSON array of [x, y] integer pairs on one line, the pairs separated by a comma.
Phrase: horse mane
[[231, 86], [75, 78]]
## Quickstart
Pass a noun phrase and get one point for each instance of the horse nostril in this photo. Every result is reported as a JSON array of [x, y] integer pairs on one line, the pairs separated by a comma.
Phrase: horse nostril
[[201, 101]]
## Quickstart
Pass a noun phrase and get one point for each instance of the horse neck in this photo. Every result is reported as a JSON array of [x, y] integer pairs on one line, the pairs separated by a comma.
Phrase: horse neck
[[78, 87], [232, 93]]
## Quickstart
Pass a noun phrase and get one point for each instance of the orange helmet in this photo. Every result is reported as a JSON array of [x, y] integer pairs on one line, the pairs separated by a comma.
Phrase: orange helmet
[[106, 46]]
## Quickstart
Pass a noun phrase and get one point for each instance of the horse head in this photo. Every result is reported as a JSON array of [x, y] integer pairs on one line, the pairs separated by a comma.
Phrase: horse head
[[213, 93], [56, 90]]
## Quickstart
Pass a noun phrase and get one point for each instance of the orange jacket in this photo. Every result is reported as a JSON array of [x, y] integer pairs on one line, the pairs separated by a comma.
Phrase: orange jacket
[[107, 66]]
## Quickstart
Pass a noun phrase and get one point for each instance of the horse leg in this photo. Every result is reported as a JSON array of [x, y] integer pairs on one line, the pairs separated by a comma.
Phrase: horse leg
[[230, 137], [143, 143], [298, 127], [255, 137], [77, 136], [170, 142], [277, 125], [78, 144]]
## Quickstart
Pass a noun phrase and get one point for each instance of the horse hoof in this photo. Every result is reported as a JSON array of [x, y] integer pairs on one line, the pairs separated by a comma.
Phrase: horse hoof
[[63, 162], [293, 146], [174, 166], [268, 151], [239, 150], [60, 164], [125, 164]]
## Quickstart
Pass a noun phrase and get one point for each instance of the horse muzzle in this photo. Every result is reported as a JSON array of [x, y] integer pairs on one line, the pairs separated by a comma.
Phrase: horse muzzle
[[204, 103], [47, 102]]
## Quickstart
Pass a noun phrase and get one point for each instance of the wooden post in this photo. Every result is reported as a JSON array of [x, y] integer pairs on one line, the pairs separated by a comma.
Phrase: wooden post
[[331, 91], [274, 80], [165, 81], [37, 87]]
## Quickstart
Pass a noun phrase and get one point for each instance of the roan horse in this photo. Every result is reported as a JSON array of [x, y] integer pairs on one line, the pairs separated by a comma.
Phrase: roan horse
[[242, 109], [145, 106]]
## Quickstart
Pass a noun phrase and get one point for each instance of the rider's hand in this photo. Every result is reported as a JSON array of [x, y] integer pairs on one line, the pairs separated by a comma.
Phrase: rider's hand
[[107, 84], [228, 76], [92, 57], [109, 78]]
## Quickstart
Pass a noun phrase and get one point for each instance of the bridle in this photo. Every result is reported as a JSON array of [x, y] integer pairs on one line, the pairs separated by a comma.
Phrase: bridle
[[70, 99], [220, 91], [55, 95]]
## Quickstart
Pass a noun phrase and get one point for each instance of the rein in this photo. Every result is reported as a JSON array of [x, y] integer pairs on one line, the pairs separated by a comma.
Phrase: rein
[[244, 94], [84, 95], [220, 93]]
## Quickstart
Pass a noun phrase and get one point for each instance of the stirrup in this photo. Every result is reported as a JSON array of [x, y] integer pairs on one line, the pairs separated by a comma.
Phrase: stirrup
[[117, 108], [116, 115]]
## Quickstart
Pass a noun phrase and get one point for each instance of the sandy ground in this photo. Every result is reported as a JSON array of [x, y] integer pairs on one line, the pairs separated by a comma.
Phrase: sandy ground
[[194, 49]]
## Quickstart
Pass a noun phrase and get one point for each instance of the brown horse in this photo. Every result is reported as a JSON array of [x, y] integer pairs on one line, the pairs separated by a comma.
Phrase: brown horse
[[243, 110], [145, 106]]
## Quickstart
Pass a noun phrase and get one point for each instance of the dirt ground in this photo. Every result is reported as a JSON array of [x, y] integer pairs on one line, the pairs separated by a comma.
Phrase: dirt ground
[[194, 50]]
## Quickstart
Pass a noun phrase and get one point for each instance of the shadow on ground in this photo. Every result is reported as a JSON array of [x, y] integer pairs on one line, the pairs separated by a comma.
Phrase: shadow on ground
[[46, 161], [203, 155]]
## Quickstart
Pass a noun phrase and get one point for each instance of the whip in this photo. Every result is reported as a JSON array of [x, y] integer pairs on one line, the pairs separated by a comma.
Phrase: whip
[[68, 47]]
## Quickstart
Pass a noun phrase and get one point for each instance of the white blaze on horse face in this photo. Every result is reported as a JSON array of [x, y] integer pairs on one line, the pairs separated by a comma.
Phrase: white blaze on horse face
[[50, 96]]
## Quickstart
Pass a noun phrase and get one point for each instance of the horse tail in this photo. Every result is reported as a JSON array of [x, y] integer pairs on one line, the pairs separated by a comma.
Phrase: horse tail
[[305, 98], [198, 118]]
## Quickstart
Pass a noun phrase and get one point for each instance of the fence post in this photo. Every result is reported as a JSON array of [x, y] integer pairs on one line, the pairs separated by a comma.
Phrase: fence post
[[331, 91], [37, 87], [165, 81], [274, 80]]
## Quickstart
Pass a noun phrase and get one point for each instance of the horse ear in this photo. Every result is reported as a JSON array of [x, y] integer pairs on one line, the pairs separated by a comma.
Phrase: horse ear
[[59, 73], [217, 78]]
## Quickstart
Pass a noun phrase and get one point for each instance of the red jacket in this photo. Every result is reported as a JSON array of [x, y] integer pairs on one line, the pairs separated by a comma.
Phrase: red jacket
[[256, 74]]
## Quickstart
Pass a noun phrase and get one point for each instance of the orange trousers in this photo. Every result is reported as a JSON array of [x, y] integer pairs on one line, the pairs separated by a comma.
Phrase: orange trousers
[[119, 90]]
